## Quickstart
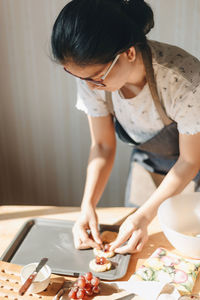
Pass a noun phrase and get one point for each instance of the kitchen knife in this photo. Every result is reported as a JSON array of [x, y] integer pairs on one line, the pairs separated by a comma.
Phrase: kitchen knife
[[30, 279]]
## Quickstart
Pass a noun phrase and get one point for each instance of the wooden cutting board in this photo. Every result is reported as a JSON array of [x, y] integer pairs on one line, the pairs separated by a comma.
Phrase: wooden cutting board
[[10, 284]]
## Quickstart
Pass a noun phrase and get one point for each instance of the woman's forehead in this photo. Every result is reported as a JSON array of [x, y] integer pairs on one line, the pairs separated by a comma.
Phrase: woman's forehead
[[85, 71]]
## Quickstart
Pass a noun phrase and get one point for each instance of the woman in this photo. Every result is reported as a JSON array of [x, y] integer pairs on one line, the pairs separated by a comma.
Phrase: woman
[[149, 92]]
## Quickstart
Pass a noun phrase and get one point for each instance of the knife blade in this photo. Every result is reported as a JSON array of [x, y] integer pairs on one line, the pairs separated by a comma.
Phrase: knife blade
[[31, 277]]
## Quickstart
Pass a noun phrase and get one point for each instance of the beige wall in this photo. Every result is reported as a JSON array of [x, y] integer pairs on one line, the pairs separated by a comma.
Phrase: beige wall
[[44, 141], [177, 22]]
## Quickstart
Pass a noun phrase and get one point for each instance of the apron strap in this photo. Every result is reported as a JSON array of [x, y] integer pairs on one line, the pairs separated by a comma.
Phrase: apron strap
[[109, 102], [147, 59]]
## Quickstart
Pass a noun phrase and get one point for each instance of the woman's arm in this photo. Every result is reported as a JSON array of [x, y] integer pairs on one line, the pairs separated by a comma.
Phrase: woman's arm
[[101, 158], [184, 170]]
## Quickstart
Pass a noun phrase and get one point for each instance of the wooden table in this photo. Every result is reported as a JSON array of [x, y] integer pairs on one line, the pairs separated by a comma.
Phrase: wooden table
[[13, 217]]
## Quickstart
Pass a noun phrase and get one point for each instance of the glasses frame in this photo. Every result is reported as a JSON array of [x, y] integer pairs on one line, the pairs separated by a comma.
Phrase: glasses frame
[[102, 78]]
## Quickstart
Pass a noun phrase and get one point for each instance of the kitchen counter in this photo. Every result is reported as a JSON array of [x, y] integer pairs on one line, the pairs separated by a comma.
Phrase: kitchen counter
[[13, 217]]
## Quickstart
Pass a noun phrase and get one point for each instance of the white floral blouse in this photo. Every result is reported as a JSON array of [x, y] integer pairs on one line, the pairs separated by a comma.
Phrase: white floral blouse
[[177, 75]]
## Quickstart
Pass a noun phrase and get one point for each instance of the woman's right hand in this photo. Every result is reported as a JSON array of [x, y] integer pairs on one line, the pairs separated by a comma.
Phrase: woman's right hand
[[88, 220]]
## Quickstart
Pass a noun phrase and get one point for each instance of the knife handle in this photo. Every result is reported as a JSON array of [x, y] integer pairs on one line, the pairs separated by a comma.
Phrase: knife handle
[[27, 283]]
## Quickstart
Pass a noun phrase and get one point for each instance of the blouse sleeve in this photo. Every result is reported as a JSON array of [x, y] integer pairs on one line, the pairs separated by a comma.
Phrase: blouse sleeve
[[186, 109], [181, 99], [92, 102]]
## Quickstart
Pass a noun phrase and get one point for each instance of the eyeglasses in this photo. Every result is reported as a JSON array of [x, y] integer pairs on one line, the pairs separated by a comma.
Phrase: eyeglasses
[[102, 78]]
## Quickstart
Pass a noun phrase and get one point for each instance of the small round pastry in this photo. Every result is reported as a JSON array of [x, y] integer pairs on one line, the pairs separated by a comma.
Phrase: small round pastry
[[108, 236], [100, 264], [105, 252]]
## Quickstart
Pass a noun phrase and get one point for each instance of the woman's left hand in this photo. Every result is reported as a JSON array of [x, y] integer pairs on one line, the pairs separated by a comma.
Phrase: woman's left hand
[[133, 231]]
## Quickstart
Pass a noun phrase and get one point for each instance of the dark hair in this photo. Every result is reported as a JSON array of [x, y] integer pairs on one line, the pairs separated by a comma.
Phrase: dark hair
[[94, 31]]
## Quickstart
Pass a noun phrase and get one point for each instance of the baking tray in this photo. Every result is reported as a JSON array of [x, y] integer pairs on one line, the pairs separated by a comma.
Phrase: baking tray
[[53, 239]]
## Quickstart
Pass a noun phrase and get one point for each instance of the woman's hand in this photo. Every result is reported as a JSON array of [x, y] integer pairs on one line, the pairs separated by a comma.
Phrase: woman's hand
[[133, 231], [87, 221]]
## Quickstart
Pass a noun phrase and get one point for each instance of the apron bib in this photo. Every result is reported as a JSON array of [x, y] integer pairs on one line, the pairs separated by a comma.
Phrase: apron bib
[[160, 152], [166, 142]]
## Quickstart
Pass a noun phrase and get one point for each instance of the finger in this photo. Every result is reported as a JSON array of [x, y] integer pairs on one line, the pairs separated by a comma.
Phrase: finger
[[130, 247], [123, 250], [87, 242], [93, 244], [141, 244], [83, 235], [95, 233], [121, 238], [77, 243], [76, 237]]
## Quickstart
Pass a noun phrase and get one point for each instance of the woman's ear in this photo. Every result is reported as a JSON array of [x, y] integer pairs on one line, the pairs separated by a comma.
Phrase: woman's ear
[[131, 54]]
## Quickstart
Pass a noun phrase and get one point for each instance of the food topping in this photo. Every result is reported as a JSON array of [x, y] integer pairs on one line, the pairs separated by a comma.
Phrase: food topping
[[101, 260], [86, 285]]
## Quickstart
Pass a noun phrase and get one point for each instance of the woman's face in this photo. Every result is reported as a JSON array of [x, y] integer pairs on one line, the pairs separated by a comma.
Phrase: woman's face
[[118, 76]]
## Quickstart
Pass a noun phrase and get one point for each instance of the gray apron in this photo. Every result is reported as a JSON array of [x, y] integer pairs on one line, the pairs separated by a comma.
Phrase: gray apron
[[161, 152]]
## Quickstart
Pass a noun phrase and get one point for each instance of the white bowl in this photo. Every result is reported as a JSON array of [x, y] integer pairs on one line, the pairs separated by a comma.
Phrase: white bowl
[[42, 279], [179, 217]]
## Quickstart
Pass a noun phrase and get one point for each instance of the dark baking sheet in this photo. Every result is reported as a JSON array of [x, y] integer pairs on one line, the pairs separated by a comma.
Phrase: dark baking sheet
[[53, 239]]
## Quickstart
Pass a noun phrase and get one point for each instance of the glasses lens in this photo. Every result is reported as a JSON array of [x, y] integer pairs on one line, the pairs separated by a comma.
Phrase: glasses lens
[[98, 83]]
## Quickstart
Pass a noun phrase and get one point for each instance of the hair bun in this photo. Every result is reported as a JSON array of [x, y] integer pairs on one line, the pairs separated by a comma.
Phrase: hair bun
[[140, 13]]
